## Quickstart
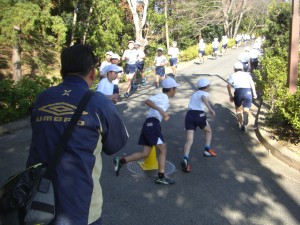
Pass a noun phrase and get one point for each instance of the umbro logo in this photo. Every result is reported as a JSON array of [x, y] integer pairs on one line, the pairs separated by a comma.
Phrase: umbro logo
[[60, 109]]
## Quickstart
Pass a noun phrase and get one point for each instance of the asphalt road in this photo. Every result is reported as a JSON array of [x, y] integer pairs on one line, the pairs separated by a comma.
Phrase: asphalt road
[[243, 185]]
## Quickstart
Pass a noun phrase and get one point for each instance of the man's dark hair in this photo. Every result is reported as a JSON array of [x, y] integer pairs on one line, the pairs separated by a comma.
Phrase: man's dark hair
[[77, 60]]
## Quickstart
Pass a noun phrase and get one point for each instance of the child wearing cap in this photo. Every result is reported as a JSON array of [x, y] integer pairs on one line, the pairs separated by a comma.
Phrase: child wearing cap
[[115, 59], [140, 61], [130, 56], [173, 52], [244, 88], [196, 117], [215, 45], [160, 62], [201, 47], [106, 85], [151, 134], [104, 64]]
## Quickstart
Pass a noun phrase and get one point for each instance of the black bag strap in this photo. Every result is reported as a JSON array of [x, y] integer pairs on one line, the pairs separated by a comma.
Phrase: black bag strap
[[46, 180]]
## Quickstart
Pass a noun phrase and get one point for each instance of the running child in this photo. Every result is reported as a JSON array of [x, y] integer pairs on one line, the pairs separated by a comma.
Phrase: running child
[[130, 55], [151, 134], [160, 62], [196, 117], [106, 85], [173, 52]]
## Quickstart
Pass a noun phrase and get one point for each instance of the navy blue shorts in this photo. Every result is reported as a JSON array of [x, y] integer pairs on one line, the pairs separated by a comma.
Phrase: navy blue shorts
[[202, 52], [151, 132], [160, 70], [194, 119], [116, 89], [245, 66], [173, 61], [224, 46], [242, 96], [140, 66], [215, 49], [130, 68]]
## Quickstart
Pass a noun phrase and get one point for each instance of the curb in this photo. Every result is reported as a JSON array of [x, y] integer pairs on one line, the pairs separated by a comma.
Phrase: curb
[[280, 152]]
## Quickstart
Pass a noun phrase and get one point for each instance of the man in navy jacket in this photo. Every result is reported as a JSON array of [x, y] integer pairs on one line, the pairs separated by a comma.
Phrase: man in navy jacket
[[76, 182]]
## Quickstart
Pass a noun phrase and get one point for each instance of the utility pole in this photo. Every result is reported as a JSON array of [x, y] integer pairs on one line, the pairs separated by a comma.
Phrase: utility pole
[[294, 49]]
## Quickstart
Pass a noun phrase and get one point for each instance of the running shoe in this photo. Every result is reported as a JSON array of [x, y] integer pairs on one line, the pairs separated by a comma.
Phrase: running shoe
[[164, 181], [185, 166], [118, 165], [126, 95], [243, 129], [246, 118], [209, 153]]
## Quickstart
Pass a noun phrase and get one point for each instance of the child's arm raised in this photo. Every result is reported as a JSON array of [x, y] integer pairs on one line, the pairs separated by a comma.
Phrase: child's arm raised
[[204, 99], [153, 106]]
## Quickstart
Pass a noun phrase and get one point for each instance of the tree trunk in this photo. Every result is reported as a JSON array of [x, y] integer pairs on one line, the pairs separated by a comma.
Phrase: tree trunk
[[16, 60], [139, 19], [88, 22], [16, 55], [166, 24], [74, 25]]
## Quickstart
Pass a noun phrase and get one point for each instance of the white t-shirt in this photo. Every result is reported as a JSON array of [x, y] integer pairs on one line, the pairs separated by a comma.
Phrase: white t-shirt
[[140, 55], [131, 56], [196, 102], [244, 57], [105, 87], [240, 79], [159, 60], [161, 100], [201, 46], [215, 44], [173, 52], [101, 69], [254, 53], [224, 41]]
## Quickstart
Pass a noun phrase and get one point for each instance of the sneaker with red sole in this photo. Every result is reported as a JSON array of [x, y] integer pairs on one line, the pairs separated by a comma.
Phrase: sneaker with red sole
[[209, 153], [185, 166]]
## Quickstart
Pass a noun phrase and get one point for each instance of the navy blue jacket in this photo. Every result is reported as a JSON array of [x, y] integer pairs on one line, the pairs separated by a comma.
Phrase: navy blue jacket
[[76, 180]]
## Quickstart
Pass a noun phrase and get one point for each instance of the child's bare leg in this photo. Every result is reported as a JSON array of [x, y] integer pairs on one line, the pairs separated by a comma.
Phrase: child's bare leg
[[139, 155], [188, 143], [157, 80], [162, 157], [208, 135]]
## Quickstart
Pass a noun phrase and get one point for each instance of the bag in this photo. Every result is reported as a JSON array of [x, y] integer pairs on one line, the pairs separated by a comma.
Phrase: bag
[[27, 198]]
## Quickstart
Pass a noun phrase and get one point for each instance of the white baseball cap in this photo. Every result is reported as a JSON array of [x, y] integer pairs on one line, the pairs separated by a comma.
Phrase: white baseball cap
[[203, 82], [131, 41], [109, 53], [238, 66], [113, 67], [169, 83], [115, 56], [137, 43], [160, 49]]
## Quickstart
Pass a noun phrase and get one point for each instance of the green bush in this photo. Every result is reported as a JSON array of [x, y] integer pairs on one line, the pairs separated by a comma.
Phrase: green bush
[[16, 99], [284, 112], [189, 54]]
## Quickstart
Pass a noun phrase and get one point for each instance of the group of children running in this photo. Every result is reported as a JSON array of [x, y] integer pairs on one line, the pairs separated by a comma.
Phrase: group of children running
[[134, 58], [151, 133]]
